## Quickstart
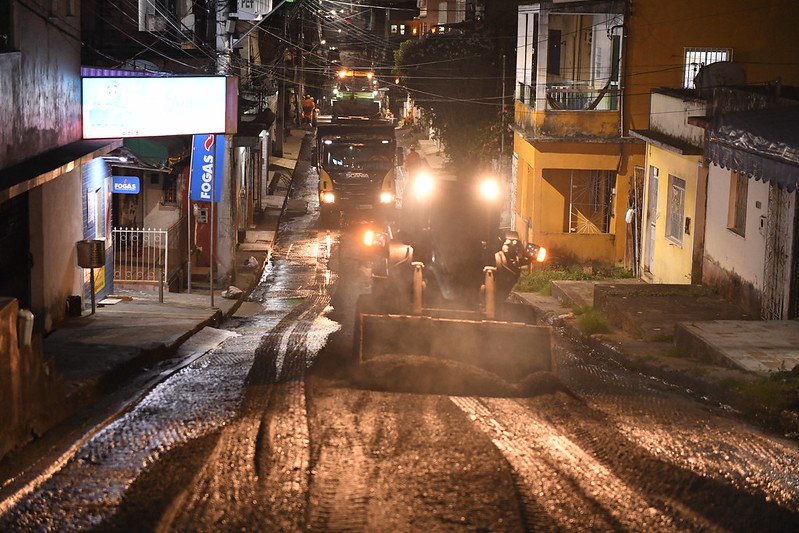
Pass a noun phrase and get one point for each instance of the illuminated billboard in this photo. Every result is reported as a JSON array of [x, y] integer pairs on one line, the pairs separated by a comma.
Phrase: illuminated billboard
[[151, 107]]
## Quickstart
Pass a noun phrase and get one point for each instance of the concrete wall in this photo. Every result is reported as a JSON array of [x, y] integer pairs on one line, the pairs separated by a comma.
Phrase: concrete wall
[[732, 262], [40, 84], [56, 222], [29, 389], [669, 115]]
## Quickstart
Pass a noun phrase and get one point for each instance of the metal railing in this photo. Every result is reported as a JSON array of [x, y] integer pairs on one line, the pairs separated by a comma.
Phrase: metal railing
[[146, 255], [579, 97]]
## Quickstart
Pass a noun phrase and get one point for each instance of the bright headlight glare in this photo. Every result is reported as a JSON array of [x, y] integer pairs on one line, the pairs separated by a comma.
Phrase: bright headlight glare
[[489, 189], [328, 197], [369, 238], [386, 197], [541, 255], [422, 186]]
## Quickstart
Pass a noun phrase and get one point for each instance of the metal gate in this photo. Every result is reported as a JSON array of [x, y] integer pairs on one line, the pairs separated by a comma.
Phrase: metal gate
[[776, 270], [140, 254]]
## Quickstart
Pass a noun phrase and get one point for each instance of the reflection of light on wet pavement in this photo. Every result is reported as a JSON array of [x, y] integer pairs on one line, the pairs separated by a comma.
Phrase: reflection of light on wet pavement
[[546, 460], [719, 451]]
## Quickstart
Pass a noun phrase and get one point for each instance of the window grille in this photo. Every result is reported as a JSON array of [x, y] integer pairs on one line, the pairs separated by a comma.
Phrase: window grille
[[696, 58], [675, 210]]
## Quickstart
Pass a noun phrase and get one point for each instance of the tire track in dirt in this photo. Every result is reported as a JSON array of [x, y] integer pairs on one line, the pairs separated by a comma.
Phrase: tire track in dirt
[[257, 475], [576, 490]]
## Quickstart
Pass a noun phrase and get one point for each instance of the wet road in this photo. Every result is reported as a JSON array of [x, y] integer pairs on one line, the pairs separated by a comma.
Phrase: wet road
[[268, 433]]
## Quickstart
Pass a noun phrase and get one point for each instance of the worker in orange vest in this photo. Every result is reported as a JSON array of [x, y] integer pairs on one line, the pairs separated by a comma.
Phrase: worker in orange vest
[[308, 107], [412, 162]]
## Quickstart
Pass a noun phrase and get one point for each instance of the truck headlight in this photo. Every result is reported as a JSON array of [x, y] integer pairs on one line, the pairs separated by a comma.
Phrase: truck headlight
[[422, 186], [327, 197], [489, 189], [386, 197]]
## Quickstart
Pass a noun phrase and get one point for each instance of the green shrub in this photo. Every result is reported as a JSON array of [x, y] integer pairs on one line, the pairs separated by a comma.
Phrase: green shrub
[[540, 279], [592, 322], [775, 391]]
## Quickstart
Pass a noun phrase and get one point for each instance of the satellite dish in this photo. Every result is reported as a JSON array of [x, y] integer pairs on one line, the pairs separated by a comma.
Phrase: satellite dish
[[719, 74]]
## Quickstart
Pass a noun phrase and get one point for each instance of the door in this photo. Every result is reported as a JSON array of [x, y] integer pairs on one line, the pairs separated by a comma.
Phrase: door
[[777, 267], [15, 258]]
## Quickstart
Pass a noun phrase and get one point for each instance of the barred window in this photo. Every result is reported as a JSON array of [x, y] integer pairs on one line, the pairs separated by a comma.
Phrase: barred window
[[696, 58], [169, 195]]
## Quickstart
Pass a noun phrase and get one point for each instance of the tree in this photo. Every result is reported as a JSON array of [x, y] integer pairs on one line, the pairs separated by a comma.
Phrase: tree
[[456, 77]]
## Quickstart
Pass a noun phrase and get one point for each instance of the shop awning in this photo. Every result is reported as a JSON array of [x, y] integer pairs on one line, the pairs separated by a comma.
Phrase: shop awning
[[762, 143], [47, 166], [159, 152]]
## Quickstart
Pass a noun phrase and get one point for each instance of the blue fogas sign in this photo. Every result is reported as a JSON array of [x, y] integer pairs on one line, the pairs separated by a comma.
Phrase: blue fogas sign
[[125, 184], [207, 157]]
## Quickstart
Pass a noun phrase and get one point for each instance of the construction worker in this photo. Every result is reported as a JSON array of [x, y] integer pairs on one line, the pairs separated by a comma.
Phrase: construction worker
[[412, 162], [308, 107]]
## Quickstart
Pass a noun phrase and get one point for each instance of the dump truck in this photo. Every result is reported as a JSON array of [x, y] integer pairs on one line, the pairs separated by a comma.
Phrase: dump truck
[[357, 96], [356, 161], [441, 276]]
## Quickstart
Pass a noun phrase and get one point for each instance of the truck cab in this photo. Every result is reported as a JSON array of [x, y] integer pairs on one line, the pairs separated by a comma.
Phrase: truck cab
[[356, 165]]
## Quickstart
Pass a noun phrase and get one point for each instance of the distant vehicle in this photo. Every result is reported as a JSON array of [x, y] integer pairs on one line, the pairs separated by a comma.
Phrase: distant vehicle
[[357, 95], [334, 55], [356, 161]]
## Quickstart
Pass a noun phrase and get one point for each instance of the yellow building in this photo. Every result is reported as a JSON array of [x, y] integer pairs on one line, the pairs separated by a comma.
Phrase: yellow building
[[584, 75], [673, 224]]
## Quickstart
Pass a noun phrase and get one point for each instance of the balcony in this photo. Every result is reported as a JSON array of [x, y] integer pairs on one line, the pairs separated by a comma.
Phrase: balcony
[[578, 96]]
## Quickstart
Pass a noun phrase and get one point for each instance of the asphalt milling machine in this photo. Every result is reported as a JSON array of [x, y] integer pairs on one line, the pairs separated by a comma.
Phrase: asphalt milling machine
[[437, 313]]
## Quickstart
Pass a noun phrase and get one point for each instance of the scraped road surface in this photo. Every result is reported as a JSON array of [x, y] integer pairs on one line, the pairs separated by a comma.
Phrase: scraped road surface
[[276, 430]]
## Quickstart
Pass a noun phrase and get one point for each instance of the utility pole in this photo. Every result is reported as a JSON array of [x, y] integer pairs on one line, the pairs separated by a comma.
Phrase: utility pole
[[224, 42], [502, 111]]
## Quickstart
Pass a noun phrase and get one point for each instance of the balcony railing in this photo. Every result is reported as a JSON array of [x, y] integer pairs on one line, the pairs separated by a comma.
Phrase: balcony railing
[[579, 97]]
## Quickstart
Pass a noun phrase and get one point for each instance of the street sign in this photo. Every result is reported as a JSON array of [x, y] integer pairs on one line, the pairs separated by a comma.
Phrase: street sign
[[206, 167], [125, 184]]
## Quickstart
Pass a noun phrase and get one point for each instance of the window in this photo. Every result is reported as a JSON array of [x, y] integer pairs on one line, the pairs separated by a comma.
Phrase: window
[[675, 210], [442, 13], [169, 195], [393, 28], [527, 35], [696, 58], [402, 29], [739, 191]]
